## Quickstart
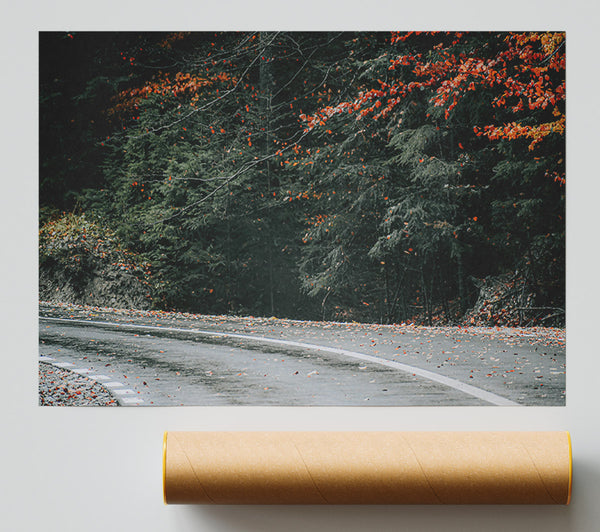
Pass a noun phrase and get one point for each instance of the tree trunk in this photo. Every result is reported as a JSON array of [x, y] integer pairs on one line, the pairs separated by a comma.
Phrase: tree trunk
[[266, 95], [461, 283]]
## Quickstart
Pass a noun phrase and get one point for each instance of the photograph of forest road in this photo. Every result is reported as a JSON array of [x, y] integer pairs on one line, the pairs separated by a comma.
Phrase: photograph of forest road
[[302, 218]]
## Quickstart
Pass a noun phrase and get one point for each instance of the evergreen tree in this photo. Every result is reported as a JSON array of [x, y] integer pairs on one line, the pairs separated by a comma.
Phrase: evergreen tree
[[368, 176]]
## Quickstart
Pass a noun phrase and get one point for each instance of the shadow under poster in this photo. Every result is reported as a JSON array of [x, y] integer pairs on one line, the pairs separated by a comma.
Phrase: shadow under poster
[[302, 218]]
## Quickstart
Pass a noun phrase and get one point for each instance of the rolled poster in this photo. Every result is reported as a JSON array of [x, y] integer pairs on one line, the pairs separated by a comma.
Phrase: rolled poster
[[367, 468]]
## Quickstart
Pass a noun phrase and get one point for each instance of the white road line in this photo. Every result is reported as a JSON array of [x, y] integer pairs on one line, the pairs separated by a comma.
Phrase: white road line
[[132, 400], [429, 375], [112, 385], [63, 364]]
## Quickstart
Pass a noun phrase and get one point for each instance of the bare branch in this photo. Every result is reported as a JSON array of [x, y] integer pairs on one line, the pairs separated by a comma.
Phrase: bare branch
[[227, 179], [215, 100]]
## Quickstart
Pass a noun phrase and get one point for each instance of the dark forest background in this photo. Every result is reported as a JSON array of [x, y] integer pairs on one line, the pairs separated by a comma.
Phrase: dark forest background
[[380, 177]]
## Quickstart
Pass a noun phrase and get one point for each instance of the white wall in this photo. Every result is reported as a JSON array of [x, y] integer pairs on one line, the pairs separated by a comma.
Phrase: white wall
[[100, 469]]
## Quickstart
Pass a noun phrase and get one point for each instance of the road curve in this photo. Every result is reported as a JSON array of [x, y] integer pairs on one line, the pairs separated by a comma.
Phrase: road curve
[[265, 363]]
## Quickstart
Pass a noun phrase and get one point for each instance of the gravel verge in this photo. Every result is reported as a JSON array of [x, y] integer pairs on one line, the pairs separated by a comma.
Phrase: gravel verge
[[61, 387]]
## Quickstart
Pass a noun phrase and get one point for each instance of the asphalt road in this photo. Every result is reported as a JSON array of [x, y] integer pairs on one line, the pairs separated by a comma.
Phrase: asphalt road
[[155, 358]]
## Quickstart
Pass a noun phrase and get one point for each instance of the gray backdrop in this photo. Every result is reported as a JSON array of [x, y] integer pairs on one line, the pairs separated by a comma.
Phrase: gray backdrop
[[100, 469]]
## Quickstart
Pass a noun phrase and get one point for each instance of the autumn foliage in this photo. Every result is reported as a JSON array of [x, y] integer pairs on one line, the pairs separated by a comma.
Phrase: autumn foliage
[[361, 176], [78, 244], [182, 85], [526, 73]]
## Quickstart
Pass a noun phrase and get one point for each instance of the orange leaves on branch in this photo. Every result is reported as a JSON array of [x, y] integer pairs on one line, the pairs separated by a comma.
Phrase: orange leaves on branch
[[168, 42], [557, 177], [519, 72], [183, 85], [526, 73], [515, 130]]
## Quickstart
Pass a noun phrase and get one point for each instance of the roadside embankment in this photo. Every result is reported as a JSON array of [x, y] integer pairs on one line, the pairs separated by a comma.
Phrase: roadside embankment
[[61, 387]]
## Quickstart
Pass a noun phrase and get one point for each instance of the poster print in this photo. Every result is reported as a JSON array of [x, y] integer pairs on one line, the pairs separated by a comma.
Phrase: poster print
[[289, 218]]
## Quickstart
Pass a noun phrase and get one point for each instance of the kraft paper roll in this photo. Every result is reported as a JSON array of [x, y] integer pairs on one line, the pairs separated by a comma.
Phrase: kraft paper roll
[[367, 467]]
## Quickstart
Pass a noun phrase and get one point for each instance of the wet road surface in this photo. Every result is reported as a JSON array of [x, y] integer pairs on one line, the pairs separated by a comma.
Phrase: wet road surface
[[173, 359]]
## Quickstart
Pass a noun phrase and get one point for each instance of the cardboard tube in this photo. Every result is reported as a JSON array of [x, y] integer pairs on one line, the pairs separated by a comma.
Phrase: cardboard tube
[[367, 467]]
